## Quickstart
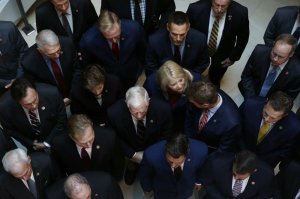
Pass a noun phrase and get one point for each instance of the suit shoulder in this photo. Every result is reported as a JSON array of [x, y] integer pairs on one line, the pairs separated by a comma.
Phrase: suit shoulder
[[199, 4], [287, 9], [104, 132], [46, 89], [117, 107], [197, 35], [238, 7], [43, 7], [156, 148], [198, 146], [130, 26], [159, 104]]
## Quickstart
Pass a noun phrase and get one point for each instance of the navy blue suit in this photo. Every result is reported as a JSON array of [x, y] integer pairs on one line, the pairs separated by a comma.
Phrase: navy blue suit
[[95, 48], [277, 145], [217, 179], [194, 58], [156, 174], [222, 129], [256, 70]]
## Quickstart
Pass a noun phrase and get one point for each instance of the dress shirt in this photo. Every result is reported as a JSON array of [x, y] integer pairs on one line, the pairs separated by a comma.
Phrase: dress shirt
[[69, 16], [245, 182], [35, 111], [182, 165], [99, 100], [213, 110], [88, 150], [142, 7], [221, 26], [135, 122]]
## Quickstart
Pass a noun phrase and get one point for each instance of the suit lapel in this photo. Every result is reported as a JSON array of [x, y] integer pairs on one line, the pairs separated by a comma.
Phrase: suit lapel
[[282, 78], [75, 15], [187, 50]]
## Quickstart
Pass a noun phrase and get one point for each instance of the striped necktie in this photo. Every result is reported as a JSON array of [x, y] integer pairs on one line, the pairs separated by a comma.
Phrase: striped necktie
[[212, 43], [237, 188], [35, 123], [203, 120]]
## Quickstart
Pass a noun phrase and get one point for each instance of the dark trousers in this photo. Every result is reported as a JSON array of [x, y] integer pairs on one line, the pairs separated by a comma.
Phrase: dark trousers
[[216, 72]]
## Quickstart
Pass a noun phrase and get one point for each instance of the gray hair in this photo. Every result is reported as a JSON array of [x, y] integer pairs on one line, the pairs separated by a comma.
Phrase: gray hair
[[14, 159], [46, 37], [135, 96], [73, 184]]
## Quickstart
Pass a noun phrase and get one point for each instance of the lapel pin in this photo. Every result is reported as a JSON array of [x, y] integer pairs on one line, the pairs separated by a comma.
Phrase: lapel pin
[[105, 91], [188, 45], [96, 195], [280, 127], [98, 147], [229, 17], [286, 73], [151, 121], [122, 38], [253, 183], [37, 174], [1, 39], [76, 10], [215, 120], [43, 108], [189, 159]]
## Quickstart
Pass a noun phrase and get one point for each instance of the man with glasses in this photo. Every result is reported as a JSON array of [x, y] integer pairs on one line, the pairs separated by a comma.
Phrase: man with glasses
[[270, 69], [33, 114], [53, 61]]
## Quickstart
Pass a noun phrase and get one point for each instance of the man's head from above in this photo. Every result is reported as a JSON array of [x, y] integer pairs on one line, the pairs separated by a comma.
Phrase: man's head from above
[[178, 26], [48, 44], [219, 7], [244, 165], [76, 186], [94, 79], [109, 25], [61, 5]]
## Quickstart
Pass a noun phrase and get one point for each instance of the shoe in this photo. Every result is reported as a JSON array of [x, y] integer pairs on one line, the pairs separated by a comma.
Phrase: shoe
[[130, 176]]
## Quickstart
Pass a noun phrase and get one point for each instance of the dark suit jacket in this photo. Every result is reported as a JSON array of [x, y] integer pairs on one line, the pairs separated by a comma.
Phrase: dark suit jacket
[[282, 22], [194, 58], [221, 131], [84, 102], [52, 115], [217, 179], [156, 174], [102, 184], [157, 12], [158, 125], [95, 48], [257, 68], [236, 29], [12, 47], [6, 144], [102, 157], [277, 145], [43, 172], [35, 67], [83, 13]]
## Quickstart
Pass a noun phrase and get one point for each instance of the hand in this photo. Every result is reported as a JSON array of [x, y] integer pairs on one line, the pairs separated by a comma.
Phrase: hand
[[9, 85], [198, 187], [38, 146], [148, 194], [226, 63], [67, 101], [138, 156]]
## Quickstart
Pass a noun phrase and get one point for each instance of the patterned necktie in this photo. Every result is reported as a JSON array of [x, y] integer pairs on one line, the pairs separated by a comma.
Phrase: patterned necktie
[[85, 159], [115, 49], [66, 24], [268, 82], [237, 188], [32, 187], [263, 131], [177, 55], [177, 173], [203, 120], [35, 123], [212, 43], [59, 78], [296, 34], [137, 12]]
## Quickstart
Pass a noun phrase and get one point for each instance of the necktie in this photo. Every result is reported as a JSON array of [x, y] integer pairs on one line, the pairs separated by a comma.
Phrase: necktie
[[177, 172], [268, 82], [212, 43], [263, 132], [66, 24], [203, 120], [296, 34], [35, 123], [140, 129], [177, 55], [115, 49], [137, 12], [59, 78], [85, 159], [32, 187], [237, 188]]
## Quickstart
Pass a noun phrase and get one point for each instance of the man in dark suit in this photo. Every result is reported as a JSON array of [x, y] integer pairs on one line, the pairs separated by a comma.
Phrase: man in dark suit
[[96, 184], [86, 147], [27, 176], [171, 169], [227, 39], [269, 128], [33, 114], [12, 48], [212, 117], [139, 122], [94, 93], [178, 42], [151, 14], [6, 144], [271, 69], [285, 20], [117, 45], [241, 175], [66, 17], [52, 61]]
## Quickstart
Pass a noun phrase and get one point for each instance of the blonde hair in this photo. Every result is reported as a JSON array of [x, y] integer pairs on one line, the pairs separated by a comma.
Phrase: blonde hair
[[171, 69], [106, 20]]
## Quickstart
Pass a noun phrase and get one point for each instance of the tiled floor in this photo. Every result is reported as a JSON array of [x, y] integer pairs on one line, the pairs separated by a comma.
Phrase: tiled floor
[[260, 12]]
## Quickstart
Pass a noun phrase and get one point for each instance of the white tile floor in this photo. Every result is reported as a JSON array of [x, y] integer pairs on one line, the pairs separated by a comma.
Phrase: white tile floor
[[260, 13]]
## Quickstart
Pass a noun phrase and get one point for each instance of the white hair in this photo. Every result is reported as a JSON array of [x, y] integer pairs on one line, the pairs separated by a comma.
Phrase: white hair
[[74, 184], [46, 37], [14, 160], [135, 96]]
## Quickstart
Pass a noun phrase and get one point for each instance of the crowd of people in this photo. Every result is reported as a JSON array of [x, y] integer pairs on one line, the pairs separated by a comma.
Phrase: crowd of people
[[133, 80]]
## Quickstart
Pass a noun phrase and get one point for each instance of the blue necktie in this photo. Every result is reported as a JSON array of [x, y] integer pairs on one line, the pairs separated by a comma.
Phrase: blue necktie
[[296, 34], [268, 82]]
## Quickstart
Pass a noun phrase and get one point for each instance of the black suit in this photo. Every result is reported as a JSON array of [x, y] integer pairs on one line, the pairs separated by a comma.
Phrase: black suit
[[256, 70], [103, 186], [158, 125], [6, 144], [234, 37], [52, 115], [43, 172], [83, 13], [36, 68], [157, 12], [85, 102]]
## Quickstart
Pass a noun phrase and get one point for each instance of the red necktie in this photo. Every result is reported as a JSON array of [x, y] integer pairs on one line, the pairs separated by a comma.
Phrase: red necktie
[[115, 49], [203, 120], [59, 78], [85, 159]]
